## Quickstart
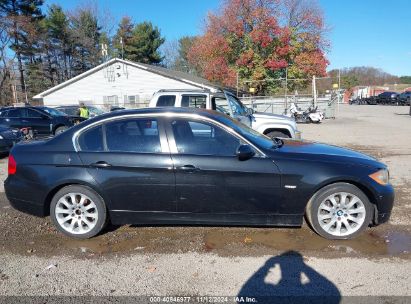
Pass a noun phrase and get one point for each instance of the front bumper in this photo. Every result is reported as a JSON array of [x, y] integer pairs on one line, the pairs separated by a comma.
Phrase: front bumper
[[384, 202]]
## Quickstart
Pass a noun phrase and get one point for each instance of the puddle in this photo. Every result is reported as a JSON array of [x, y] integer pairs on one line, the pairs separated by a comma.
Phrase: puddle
[[244, 242], [370, 243]]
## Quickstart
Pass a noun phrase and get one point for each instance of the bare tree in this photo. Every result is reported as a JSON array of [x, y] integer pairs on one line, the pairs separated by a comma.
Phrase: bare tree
[[6, 62], [169, 51]]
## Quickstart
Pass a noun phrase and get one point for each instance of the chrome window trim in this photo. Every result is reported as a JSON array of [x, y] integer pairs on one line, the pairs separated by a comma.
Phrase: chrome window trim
[[163, 139]]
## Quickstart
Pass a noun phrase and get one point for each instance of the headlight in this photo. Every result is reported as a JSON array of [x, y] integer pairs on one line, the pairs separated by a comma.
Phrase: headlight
[[382, 176], [1, 137]]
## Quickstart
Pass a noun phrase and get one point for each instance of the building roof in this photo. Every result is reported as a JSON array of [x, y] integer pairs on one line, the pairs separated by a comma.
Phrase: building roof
[[176, 75]]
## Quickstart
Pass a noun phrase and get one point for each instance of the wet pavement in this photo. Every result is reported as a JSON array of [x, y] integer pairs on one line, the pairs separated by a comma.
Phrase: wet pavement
[[27, 235]]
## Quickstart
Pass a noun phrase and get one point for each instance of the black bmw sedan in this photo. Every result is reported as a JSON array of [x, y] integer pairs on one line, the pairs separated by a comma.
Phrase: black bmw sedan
[[192, 166]]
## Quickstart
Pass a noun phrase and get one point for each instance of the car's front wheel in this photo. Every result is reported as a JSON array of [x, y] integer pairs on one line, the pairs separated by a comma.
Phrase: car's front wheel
[[279, 133], [78, 211], [339, 211], [60, 129]]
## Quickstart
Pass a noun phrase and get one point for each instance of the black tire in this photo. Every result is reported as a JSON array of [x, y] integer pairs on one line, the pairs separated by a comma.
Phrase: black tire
[[315, 202], [101, 210], [281, 134], [60, 129]]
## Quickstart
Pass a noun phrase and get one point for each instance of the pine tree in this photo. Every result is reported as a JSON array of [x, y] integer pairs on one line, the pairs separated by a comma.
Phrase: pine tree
[[24, 16], [144, 44], [85, 32], [122, 39], [58, 38]]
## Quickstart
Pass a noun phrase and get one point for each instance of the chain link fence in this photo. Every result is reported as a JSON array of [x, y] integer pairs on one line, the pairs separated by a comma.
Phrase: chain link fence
[[281, 104]]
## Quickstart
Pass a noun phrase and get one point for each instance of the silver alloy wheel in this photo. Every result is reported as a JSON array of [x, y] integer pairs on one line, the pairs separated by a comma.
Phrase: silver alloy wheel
[[76, 213], [341, 214]]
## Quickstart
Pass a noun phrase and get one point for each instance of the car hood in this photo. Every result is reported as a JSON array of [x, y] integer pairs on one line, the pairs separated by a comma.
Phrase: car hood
[[10, 133], [322, 152], [259, 115]]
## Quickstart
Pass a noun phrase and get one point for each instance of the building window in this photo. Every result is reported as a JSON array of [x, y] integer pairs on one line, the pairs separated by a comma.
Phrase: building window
[[110, 101]]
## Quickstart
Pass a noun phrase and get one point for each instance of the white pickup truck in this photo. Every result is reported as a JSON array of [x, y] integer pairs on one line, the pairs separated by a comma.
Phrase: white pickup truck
[[271, 125]]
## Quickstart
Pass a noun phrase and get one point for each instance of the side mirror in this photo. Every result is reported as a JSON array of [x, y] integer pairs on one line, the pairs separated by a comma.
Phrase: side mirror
[[250, 111], [245, 152]]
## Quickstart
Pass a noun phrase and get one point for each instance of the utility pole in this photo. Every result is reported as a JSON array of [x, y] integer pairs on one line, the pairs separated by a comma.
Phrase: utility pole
[[25, 90], [339, 91], [314, 91], [237, 84], [122, 48], [285, 90]]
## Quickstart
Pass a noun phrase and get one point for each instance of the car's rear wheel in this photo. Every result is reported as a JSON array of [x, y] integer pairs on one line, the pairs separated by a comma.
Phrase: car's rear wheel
[[339, 211], [281, 134], [78, 211]]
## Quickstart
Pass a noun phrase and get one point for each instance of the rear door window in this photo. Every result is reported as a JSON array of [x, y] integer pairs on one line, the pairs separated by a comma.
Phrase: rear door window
[[166, 101], [138, 135], [194, 101], [33, 114]]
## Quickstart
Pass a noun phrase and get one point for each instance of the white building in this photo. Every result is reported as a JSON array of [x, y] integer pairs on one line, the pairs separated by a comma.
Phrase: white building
[[119, 83]]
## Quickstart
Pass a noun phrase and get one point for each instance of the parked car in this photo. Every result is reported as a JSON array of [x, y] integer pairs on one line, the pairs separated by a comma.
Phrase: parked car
[[42, 120], [8, 138], [193, 166], [271, 125], [404, 98], [116, 108], [390, 98], [73, 110]]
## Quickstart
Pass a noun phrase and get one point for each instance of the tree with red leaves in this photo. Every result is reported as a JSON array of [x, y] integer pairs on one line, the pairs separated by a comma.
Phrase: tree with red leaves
[[259, 40]]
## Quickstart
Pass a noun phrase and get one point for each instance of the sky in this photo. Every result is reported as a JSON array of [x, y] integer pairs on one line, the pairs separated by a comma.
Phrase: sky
[[373, 33]]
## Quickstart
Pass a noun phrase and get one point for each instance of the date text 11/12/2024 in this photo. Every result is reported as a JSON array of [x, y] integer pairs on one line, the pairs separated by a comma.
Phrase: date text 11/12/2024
[[201, 299]]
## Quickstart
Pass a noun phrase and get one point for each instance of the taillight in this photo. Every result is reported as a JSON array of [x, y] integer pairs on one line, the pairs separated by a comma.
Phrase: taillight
[[12, 165]]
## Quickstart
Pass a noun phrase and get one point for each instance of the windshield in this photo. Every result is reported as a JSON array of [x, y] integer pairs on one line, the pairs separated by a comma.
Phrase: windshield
[[96, 110], [53, 112]]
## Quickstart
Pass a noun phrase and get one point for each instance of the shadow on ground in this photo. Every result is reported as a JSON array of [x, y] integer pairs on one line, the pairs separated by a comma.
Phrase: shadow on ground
[[287, 279]]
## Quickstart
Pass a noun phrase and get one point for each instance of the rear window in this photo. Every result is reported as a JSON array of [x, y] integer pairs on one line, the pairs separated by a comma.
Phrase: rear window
[[166, 101], [92, 140]]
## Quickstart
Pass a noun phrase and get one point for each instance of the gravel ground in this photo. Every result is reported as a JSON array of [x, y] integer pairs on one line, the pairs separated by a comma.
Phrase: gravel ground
[[216, 261]]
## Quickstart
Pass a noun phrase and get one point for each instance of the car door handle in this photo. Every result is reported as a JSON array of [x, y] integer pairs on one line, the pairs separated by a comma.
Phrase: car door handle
[[188, 168], [100, 164]]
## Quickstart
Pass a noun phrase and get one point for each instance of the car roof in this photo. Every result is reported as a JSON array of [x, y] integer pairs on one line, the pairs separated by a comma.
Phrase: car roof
[[26, 107], [158, 110]]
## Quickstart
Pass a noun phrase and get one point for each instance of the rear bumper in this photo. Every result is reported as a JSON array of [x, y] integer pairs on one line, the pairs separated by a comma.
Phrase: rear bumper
[[27, 207], [24, 199]]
